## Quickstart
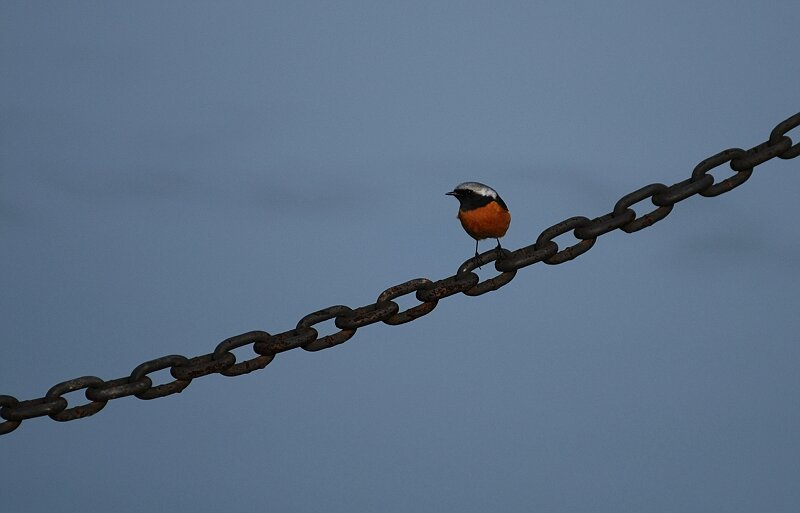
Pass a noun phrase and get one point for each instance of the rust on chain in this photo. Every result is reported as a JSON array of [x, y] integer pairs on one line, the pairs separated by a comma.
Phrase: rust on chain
[[761, 153], [646, 220], [717, 160], [33, 408], [203, 365], [780, 130], [385, 309], [401, 290], [491, 284], [120, 387], [334, 339], [561, 228], [285, 341], [76, 412], [447, 287], [369, 314], [165, 362], [682, 190], [604, 224], [526, 256], [247, 366]]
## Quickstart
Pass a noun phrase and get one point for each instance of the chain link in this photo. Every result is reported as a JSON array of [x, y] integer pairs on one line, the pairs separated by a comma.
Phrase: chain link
[[222, 361]]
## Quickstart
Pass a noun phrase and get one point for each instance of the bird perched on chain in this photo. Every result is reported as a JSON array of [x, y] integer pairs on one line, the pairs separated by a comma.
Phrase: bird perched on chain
[[483, 214]]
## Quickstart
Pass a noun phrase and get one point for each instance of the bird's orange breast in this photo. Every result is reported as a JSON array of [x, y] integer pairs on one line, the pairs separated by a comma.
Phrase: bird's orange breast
[[487, 222]]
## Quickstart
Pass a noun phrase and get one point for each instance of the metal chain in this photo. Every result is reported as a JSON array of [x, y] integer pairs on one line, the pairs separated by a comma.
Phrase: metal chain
[[386, 310]]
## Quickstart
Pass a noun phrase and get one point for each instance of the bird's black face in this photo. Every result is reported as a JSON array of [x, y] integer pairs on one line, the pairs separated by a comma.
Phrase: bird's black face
[[469, 199]]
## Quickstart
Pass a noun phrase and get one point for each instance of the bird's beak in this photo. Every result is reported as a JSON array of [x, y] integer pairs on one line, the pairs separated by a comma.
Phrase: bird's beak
[[451, 193]]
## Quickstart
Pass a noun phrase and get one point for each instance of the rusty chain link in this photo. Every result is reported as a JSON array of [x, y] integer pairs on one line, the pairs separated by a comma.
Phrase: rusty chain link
[[385, 309]]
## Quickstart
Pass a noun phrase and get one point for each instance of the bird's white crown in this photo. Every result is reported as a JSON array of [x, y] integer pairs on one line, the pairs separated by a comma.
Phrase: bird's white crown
[[478, 188]]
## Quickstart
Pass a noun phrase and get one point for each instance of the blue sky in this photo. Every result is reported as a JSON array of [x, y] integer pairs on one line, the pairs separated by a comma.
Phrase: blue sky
[[172, 175]]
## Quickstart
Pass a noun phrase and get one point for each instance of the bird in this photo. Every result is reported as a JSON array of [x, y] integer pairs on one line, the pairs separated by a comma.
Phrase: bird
[[482, 212]]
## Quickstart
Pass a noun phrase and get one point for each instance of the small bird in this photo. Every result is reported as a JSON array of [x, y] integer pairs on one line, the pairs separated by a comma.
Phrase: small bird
[[483, 214]]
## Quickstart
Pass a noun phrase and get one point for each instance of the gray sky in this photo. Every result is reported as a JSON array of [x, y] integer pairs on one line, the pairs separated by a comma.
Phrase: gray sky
[[172, 175]]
